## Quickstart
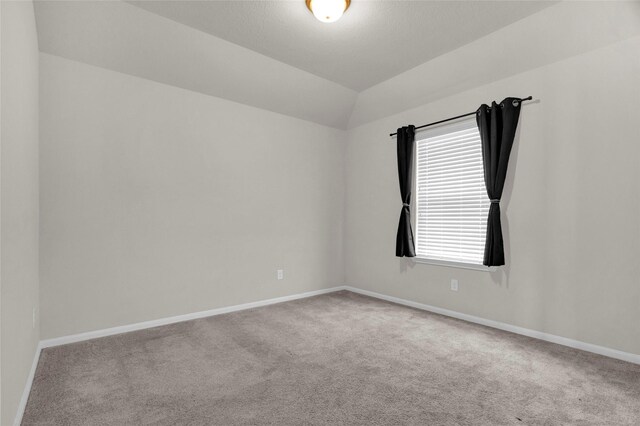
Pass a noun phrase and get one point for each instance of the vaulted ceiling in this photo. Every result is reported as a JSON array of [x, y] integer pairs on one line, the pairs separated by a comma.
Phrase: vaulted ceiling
[[372, 42], [382, 56]]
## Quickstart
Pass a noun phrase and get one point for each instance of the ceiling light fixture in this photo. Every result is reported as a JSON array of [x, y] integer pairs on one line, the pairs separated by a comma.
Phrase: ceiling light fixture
[[328, 10]]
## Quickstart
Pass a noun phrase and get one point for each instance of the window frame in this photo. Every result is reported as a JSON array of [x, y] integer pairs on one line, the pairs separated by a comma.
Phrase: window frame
[[444, 129]]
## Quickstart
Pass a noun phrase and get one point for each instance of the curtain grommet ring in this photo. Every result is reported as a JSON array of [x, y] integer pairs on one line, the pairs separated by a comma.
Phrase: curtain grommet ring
[[516, 103]]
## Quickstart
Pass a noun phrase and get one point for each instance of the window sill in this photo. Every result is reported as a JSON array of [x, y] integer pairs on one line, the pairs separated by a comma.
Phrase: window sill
[[451, 264]]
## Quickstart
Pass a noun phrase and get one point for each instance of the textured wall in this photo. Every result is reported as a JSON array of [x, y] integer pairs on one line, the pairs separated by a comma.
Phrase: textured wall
[[570, 208], [19, 174], [158, 201]]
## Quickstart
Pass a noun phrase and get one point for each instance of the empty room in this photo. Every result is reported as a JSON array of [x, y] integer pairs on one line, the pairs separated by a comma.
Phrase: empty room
[[319, 212]]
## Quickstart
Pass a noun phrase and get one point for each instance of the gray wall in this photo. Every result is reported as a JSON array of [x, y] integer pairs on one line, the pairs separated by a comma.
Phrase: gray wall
[[19, 199], [158, 201], [570, 208], [139, 219]]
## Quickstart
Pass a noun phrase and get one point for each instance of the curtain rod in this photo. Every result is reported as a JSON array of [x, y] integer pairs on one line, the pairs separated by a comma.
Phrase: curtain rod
[[528, 98]]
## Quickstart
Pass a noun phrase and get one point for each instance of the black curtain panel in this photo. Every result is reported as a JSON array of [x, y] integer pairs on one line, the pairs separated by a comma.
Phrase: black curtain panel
[[404, 239], [497, 125]]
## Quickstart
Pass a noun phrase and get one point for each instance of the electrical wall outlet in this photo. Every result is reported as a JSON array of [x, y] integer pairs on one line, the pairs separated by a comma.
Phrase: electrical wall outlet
[[454, 285], [280, 274]]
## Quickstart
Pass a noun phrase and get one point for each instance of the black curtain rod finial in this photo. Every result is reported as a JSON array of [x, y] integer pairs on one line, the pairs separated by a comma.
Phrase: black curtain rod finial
[[528, 98]]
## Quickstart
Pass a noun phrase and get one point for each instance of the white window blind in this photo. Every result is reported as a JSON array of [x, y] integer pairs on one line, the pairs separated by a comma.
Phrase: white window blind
[[452, 202]]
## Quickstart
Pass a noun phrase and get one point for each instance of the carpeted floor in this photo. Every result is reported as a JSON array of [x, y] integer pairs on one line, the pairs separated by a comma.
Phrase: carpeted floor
[[339, 358]]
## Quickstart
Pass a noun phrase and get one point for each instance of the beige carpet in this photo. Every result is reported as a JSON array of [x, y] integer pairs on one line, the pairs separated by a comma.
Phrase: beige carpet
[[335, 359]]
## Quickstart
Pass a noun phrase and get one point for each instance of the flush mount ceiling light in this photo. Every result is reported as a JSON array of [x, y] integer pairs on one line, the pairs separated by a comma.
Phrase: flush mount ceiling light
[[328, 10]]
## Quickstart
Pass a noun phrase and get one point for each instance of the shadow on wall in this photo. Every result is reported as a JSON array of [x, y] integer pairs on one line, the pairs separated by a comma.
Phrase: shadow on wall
[[501, 275], [406, 263]]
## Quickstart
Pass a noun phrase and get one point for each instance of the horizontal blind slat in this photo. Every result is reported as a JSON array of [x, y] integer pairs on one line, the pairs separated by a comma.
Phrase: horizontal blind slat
[[451, 198]]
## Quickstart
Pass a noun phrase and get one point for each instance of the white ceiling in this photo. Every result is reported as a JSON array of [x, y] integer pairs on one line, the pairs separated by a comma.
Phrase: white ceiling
[[277, 57], [567, 29], [124, 38], [372, 42]]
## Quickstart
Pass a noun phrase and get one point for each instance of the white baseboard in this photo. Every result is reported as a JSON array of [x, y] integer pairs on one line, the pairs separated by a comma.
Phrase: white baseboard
[[147, 324], [179, 318], [576, 344], [601, 350], [27, 387]]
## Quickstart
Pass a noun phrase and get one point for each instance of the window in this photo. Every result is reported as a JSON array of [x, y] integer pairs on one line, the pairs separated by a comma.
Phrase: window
[[452, 202]]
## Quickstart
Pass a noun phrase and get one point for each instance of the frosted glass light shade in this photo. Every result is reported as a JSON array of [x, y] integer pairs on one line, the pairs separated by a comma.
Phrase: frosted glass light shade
[[328, 10]]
